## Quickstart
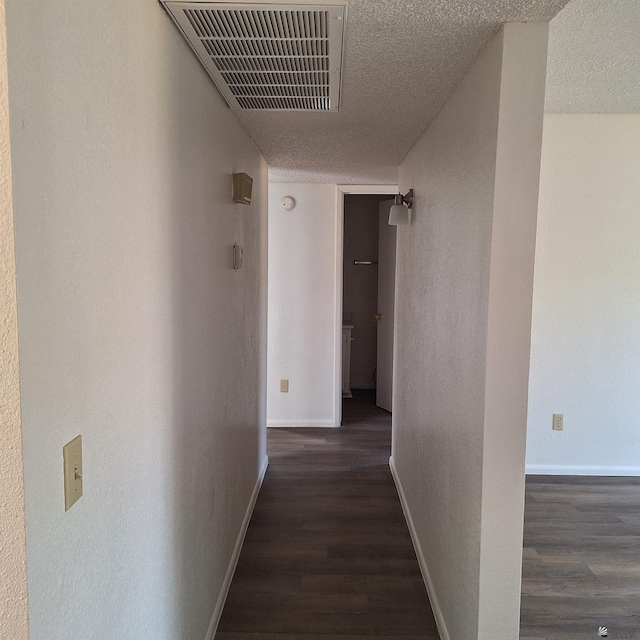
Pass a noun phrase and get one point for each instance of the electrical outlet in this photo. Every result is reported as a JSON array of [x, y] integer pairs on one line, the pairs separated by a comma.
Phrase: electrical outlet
[[558, 421], [284, 386]]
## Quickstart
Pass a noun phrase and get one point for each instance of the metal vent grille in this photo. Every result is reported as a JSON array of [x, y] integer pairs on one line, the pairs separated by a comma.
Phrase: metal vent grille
[[267, 56]]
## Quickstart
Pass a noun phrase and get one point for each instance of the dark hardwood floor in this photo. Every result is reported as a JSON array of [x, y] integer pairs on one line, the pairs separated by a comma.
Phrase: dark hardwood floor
[[327, 552], [581, 565]]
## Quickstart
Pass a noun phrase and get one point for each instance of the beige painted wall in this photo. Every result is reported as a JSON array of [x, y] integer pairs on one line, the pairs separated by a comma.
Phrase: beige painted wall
[[303, 304], [508, 347], [135, 330], [585, 343], [13, 573], [463, 314]]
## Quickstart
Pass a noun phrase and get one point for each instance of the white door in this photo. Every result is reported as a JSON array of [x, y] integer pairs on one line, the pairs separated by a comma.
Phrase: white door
[[386, 299]]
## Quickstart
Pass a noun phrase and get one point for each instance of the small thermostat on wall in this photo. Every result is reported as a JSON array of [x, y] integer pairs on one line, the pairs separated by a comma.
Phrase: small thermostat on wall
[[288, 203], [238, 254]]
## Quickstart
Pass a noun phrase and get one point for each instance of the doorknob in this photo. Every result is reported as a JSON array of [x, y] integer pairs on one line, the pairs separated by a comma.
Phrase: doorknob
[[378, 316]]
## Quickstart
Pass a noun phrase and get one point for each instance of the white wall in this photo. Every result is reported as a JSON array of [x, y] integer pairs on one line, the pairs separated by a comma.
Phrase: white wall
[[14, 622], [135, 331], [585, 352], [463, 301], [304, 258]]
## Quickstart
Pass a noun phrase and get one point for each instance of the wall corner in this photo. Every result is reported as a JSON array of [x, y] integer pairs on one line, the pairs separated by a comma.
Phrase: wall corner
[[518, 152], [14, 622]]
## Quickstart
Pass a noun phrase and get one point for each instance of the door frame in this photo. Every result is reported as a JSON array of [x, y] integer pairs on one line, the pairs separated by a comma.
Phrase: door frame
[[341, 191]]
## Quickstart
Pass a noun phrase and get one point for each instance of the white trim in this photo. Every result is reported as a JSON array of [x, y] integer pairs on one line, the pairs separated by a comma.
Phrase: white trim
[[337, 305], [316, 424], [576, 470], [369, 189], [435, 606], [224, 591]]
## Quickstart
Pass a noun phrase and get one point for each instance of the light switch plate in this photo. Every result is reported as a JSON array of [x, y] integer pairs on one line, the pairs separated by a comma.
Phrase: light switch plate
[[284, 386], [72, 457]]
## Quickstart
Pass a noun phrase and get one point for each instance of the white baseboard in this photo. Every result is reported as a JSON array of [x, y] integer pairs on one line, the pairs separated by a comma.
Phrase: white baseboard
[[437, 611], [224, 591], [316, 424], [575, 470]]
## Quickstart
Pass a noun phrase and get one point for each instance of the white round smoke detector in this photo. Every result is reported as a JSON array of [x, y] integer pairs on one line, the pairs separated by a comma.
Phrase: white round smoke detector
[[288, 203]]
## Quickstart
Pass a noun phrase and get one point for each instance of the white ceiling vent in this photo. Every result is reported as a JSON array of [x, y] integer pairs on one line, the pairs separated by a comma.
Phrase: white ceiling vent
[[267, 56]]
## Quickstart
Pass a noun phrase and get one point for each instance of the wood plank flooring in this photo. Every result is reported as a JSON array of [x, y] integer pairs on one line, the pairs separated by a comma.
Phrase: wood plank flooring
[[327, 553], [581, 565]]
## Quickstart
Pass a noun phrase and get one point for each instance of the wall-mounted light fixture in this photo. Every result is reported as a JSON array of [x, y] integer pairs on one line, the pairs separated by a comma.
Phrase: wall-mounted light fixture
[[242, 186], [399, 213]]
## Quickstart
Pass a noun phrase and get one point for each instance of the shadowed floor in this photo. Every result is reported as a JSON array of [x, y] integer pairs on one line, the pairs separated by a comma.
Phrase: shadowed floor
[[328, 552]]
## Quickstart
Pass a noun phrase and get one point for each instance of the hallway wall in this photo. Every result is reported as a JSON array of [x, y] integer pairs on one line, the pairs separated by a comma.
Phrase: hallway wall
[[135, 331], [303, 305], [463, 313], [14, 614]]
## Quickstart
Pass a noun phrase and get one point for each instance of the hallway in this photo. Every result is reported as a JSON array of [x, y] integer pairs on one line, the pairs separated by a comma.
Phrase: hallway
[[327, 552]]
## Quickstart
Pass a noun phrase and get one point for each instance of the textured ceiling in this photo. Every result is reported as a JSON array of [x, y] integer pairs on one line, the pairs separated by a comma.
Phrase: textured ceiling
[[403, 58], [594, 58]]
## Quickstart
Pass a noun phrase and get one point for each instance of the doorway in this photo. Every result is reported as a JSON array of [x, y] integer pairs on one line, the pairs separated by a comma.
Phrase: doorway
[[368, 293]]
